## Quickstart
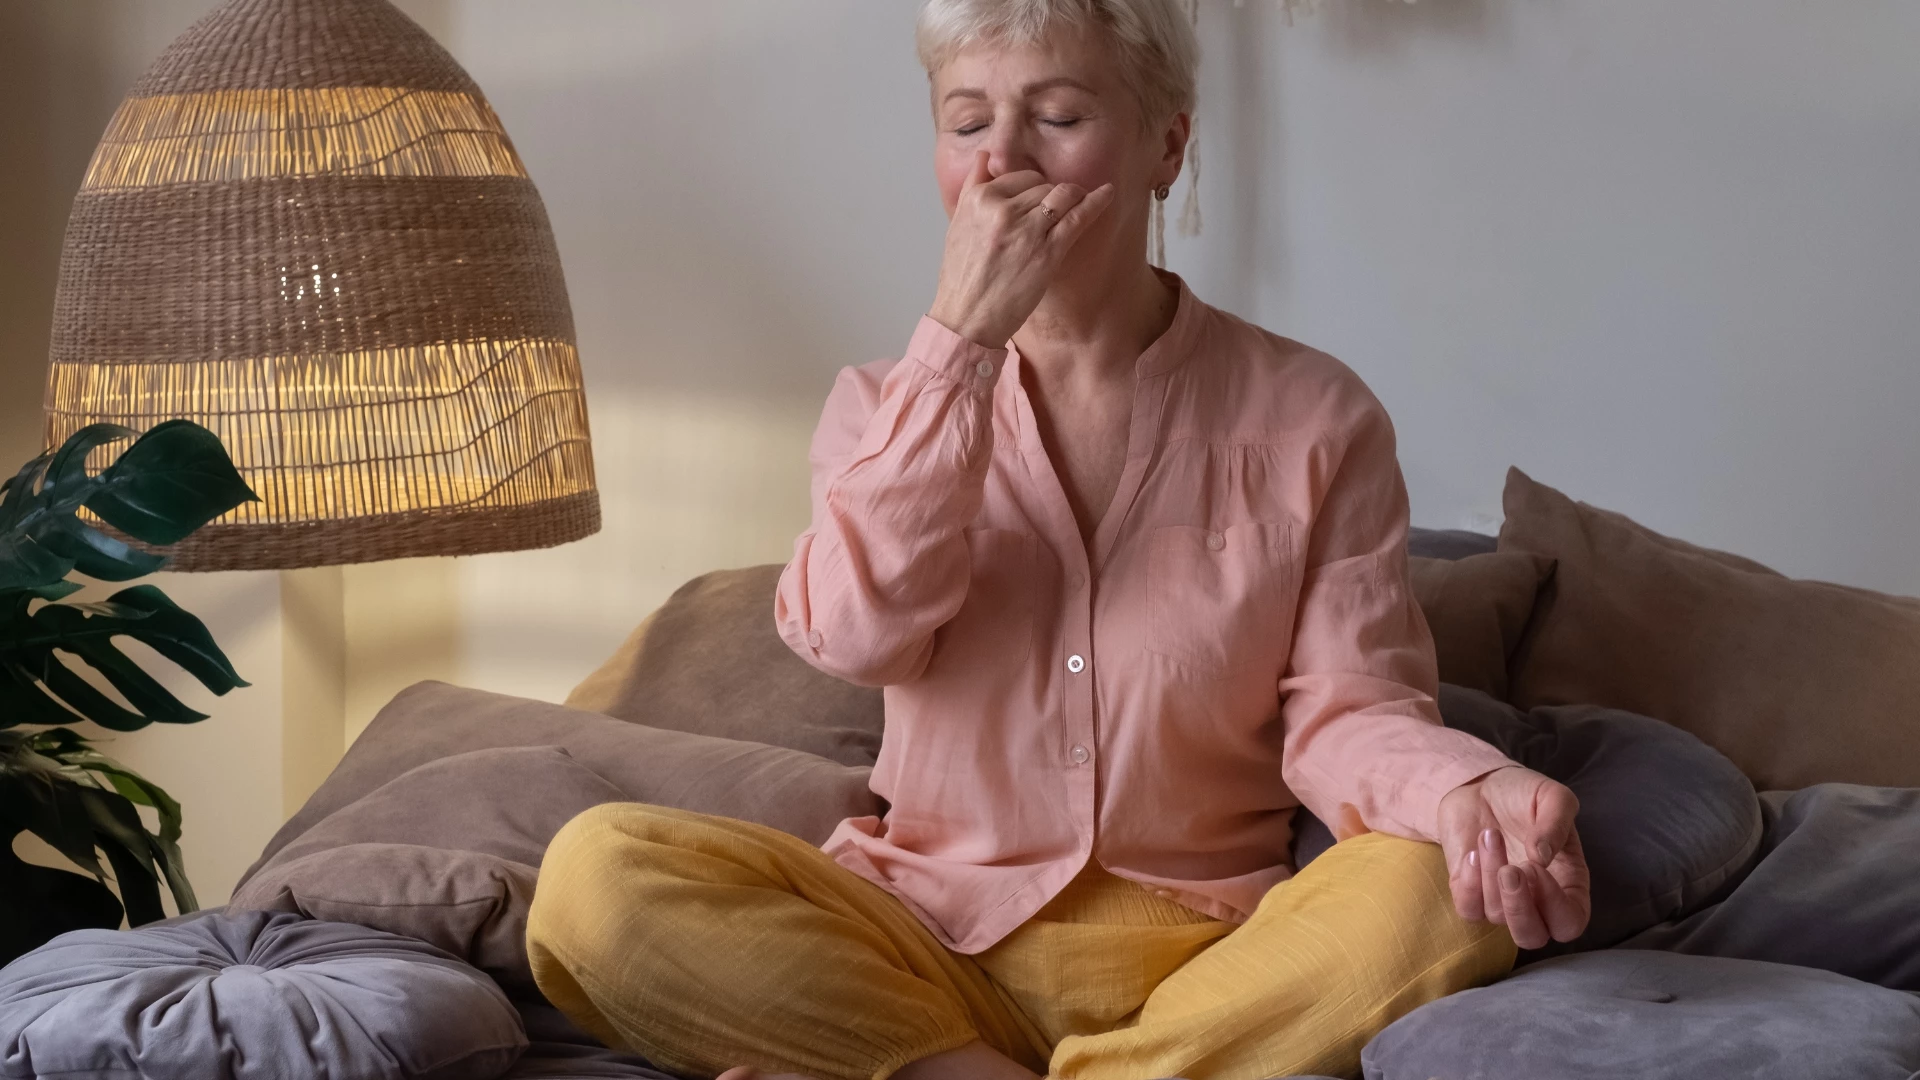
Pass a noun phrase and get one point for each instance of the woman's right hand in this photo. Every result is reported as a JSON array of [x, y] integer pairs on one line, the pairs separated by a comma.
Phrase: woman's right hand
[[1005, 243]]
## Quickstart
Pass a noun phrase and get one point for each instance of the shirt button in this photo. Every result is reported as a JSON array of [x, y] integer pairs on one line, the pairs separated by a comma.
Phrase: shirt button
[[1215, 541], [1075, 664], [1075, 582], [1080, 755], [985, 368], [814, 639]]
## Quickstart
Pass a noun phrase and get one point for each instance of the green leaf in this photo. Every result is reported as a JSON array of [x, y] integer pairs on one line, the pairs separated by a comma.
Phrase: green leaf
[[28, 642], [176, 634], [24, 564], [91, 551], [67, 484], [22, 701], [73, 751], [80, 695], [118, 832], [20, 493], [176, 478], [36, 796]]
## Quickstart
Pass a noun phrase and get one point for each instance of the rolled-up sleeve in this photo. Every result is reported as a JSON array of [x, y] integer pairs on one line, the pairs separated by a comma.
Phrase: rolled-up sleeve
[[1364, 746], [899, 470]]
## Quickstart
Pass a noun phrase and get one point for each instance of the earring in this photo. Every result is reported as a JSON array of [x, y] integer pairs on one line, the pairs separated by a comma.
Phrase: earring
[[1157, 246]]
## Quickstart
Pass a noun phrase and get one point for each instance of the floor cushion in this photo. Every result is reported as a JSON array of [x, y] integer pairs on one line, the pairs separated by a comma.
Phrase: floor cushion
[[1799, 682], [1837, 887], [251, 996], [1665, 821], [1656, 1016]]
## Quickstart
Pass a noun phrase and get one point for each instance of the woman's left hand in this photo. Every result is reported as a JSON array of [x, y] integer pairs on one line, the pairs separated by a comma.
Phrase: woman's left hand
[[1514, 857]]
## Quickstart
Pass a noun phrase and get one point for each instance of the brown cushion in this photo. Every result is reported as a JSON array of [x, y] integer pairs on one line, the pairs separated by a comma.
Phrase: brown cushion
[[1477, 608], [414, 831], [709, 661], [1799, 682]]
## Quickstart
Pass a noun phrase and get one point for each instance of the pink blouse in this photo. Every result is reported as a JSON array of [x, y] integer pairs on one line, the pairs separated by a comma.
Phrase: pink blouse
[[1240, 639]]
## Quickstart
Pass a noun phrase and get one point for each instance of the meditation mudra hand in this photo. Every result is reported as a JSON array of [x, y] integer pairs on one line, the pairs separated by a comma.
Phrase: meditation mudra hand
[[1514, 858]]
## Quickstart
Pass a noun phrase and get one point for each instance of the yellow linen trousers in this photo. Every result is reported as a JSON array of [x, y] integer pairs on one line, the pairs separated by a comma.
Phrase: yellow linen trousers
[[704, 942]]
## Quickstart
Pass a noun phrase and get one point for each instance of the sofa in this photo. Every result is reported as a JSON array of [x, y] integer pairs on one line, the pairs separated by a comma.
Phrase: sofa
[[1745, 746]]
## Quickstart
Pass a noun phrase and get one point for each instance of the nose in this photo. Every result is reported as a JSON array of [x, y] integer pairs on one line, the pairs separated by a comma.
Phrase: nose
[[1008, 148]]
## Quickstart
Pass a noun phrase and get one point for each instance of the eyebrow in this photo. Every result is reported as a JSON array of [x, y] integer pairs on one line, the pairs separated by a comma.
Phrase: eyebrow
[[1026, 91]]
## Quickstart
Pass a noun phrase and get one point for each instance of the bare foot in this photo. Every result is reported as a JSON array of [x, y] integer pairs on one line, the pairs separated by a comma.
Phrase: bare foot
[[747, 1072]]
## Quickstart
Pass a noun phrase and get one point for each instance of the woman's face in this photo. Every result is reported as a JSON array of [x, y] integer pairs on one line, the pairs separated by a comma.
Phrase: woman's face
[[1059, 109]]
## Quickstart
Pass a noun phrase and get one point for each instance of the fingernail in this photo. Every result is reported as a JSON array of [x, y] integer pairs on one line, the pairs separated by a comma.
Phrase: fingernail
[[1510, 879], [1473, 858], [1546, 853], [1486, 839]]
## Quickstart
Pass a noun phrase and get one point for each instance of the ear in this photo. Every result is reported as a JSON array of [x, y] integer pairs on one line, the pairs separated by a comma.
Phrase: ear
[[1179, 133]]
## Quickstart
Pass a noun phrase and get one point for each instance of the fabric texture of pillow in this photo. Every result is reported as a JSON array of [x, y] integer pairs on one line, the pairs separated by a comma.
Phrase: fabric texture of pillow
[[710, 661], [1666, 823], [1799, 682], [1657, 1016], [795, 792], [411, 833], [437, 853], [1836, 888], [251, 996], [1477, 608]]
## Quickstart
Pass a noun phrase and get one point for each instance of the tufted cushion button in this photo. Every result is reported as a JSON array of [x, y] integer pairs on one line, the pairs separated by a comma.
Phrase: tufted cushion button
[[252, 996]]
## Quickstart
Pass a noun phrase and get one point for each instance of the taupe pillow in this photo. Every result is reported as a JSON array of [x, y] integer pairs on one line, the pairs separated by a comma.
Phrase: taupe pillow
[[709, 661], [1477, 608], [470, 904], [434, 822], [1799, 682]]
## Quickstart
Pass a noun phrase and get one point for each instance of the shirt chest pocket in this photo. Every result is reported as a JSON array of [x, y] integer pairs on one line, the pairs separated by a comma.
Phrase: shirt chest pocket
[[1222, 600]]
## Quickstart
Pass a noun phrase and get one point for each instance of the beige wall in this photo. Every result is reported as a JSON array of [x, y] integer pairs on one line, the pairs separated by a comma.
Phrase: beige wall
[[1660, 254]]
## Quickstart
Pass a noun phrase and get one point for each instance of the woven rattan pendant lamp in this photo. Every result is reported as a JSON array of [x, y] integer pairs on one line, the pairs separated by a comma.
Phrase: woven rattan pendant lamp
[[306, 229]]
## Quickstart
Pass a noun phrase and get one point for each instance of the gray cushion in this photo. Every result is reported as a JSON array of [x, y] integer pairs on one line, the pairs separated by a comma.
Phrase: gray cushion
[[1666, 821], [1448, 543], [1656, 1016], [558, 1050], [1836, 888], [251, 995]]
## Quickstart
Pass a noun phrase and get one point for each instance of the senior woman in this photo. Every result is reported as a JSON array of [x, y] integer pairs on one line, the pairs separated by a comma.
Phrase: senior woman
[[1133, 574]]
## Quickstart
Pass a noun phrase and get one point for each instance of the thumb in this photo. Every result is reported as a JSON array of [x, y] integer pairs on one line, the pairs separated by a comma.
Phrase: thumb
[[1536, 812]]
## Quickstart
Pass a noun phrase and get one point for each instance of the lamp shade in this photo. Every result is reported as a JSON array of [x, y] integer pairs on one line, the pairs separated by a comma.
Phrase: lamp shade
[[306, 229]]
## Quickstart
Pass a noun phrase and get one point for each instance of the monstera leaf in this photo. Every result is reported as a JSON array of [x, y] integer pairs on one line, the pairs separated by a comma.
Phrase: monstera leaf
[[174, 479], [62, 661], [34, 682]]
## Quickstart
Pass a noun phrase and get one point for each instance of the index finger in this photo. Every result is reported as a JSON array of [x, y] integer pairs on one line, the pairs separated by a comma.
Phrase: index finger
[[1014, 183], [981, 172]]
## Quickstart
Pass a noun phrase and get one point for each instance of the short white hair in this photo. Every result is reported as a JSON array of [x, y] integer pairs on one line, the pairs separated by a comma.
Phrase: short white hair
[[1159, 56]]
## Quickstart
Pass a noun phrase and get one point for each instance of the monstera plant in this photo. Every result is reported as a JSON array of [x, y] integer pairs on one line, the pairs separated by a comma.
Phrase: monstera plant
[[61, 662]]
